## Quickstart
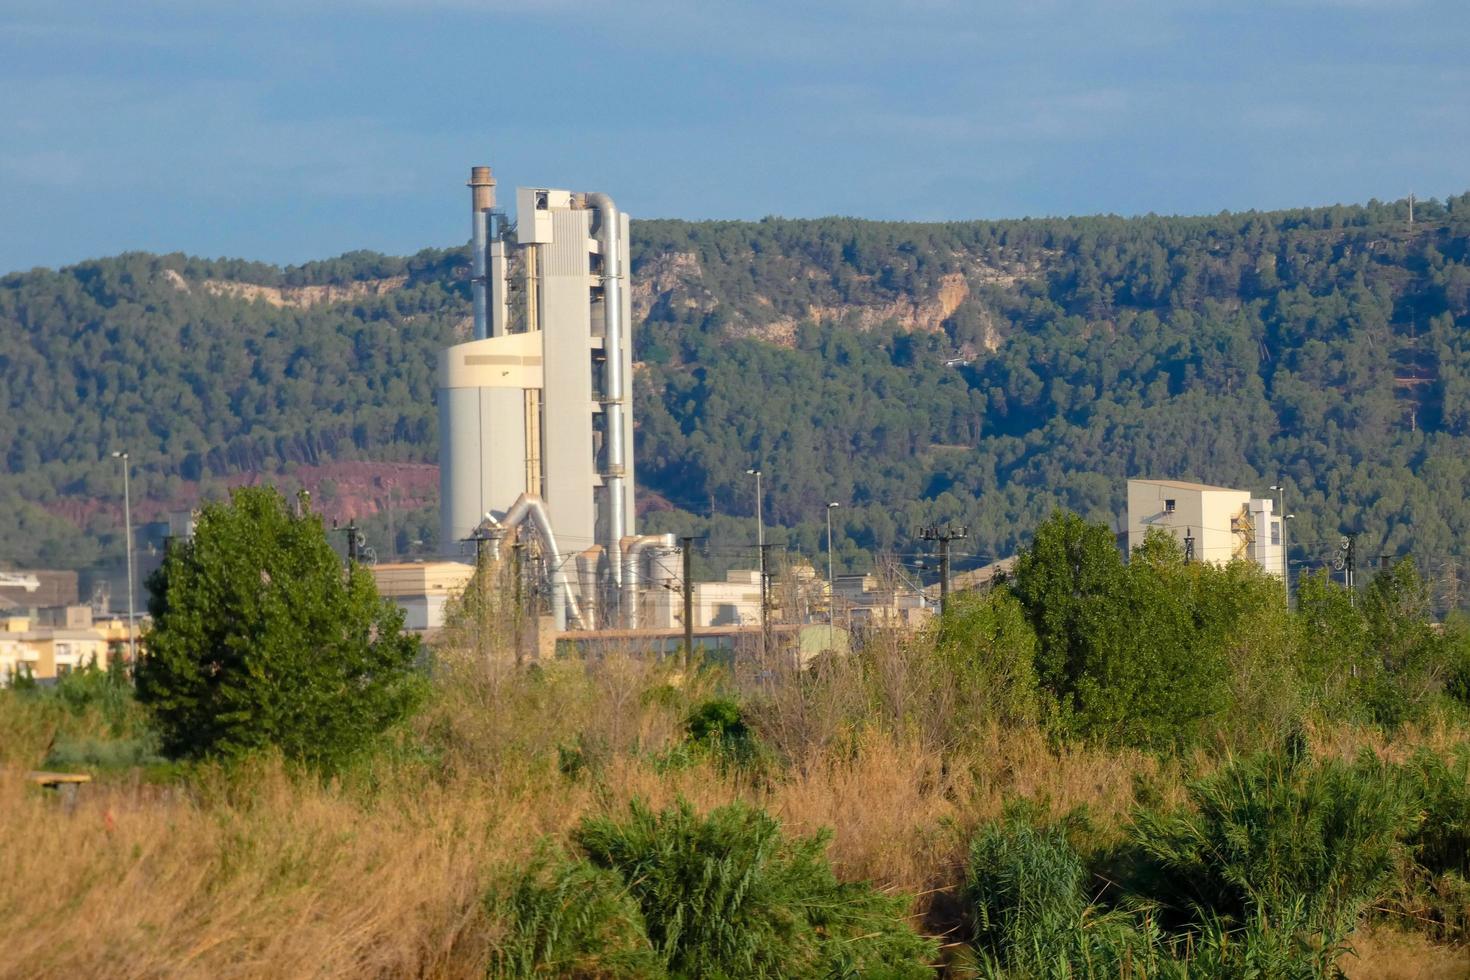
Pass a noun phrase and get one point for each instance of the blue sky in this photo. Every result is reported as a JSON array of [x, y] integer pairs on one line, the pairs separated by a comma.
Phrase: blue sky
[[286, 130]]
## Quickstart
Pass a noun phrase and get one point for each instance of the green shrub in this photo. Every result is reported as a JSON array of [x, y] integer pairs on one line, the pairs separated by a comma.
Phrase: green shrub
[[1440, 789], [1026, 899], [569, 919], [1433, 888], [718, 727], [1279, 844], [728, 895], [989, 649], [717, 720]]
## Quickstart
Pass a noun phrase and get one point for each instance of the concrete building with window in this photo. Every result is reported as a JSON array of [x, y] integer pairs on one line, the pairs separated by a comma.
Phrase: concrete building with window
[[1213, 524]]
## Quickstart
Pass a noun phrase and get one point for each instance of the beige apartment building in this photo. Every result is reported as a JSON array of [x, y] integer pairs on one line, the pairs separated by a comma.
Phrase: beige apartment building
[[55, 642]]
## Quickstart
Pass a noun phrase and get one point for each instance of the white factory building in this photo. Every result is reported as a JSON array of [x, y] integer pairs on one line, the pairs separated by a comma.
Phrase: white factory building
[[535, 412], [1213, 524]]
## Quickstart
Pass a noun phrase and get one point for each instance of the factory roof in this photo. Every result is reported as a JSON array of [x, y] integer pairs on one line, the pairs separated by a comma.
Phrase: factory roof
[[1184, 485]]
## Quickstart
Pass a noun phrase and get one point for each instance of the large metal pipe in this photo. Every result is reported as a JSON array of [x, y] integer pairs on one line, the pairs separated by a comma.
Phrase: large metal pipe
[[633, 573], [609, 246], [482, 200], [529, 507]]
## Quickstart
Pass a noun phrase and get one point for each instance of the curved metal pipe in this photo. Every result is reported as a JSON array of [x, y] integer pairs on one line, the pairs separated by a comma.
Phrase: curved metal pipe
[[608, 225], [632, 573], [563, 599]]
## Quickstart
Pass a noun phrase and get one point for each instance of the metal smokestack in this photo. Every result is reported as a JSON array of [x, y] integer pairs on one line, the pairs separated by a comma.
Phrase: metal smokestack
[[482, 200], [608, 241]]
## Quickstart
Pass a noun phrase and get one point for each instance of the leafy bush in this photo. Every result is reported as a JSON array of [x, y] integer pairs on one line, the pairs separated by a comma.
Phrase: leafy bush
[[1277, 843], [717, 720], [728, 895], [718, 726], [1441, 790], [989, 650], [569, 919]]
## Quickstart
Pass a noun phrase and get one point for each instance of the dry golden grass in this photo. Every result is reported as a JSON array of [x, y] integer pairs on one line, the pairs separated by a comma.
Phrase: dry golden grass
[[1386, 954], [259, 873]]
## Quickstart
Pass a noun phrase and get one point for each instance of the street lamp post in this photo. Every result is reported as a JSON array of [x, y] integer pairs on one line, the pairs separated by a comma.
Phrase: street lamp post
[[128, 527], [760, 523], [760, 541], [831, 579]]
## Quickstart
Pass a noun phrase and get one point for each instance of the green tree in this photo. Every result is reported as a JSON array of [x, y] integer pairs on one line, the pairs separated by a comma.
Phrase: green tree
[[1131, 653], [260, 639]]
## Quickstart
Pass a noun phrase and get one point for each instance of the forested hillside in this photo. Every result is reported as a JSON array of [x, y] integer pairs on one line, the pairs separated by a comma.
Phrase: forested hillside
[[981, 372]]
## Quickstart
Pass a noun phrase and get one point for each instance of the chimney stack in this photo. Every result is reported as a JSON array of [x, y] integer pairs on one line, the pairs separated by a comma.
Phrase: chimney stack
[[482, 189]]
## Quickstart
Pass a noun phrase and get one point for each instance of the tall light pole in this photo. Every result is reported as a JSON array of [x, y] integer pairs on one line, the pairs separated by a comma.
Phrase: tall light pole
[[760, 523], [1280, 489], [128, 526], [760, 540], [831, 579]]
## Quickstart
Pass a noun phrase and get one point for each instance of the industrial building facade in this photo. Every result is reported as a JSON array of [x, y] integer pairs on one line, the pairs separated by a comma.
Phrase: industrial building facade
[[1212, 524], [535, 420]]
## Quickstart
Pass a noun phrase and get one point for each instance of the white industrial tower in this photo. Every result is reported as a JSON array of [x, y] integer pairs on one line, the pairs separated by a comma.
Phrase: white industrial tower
[[535, 420]]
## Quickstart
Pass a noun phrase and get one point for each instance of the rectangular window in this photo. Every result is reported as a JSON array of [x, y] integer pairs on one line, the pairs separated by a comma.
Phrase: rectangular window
[[1168, 507], [1276, 532]]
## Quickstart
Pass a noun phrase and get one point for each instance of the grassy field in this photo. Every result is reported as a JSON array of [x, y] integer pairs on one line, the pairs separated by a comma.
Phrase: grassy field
[[389, 869]]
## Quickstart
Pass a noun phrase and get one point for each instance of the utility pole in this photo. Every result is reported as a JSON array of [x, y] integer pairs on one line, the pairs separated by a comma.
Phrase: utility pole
[[944, 535], [128, 530], [1188, 545], [760, 537], [392, 535], [765, 601], [688, 584], [353, 541], [831, 579], [481, 540], [1347, 563], [516, 551]]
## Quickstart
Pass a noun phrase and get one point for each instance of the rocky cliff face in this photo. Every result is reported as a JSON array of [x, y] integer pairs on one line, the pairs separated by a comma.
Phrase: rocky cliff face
[[675, 284], [297, 297]]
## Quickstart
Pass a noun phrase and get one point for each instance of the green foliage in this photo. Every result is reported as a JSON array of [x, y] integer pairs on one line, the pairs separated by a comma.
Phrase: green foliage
[[566, 918], [1377, 656], [260, 639], [88, 719], [728, 895], [1265, 873], [1129, 653], [1026, 898], [1279, 843], [1441, 791], [989, 650]]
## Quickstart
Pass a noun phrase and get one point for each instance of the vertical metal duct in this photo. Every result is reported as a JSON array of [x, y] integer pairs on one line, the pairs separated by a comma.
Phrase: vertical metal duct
[[482, 199], [609, 246]]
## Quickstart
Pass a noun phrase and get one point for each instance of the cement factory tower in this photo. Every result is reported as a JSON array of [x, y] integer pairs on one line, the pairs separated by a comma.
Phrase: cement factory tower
[[535, 419]]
